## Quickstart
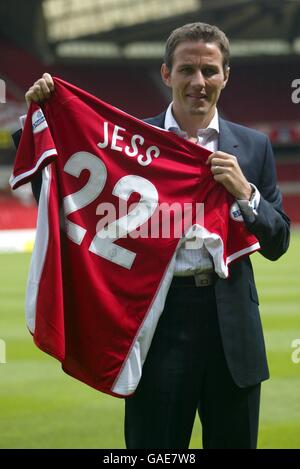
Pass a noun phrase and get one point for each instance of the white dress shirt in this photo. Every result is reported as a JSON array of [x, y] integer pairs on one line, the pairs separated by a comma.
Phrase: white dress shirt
[[193, 261]]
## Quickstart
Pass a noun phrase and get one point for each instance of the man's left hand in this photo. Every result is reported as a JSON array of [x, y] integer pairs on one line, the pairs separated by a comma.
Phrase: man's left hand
[[227, 171]]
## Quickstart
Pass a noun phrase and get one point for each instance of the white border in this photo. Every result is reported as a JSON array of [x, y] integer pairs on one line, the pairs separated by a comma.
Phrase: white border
[[242, 252], [39, 251], [13, 180], [131, 372]]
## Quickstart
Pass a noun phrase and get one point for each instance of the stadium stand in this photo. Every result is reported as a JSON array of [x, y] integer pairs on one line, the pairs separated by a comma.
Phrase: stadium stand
[[137, 90]]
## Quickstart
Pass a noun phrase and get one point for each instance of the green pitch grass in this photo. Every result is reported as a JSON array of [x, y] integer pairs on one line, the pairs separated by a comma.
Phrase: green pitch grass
[[41, 407]]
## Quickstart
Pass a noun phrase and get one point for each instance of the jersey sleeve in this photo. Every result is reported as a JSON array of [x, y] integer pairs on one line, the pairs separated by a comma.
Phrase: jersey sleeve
[[240, 242], [223, 232], [36, 148]]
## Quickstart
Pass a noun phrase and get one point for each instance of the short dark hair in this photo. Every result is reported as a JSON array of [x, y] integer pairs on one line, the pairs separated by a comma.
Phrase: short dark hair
[[197, 32]]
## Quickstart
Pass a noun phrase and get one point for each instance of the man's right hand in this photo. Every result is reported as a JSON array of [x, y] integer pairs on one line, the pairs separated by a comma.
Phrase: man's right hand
[[40, 90]]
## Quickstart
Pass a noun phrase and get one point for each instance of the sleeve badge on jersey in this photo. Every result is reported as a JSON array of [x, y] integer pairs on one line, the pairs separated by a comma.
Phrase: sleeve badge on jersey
[[235, 212], [39, 122]]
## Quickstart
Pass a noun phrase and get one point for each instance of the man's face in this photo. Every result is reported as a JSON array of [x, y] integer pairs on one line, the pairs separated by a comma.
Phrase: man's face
[[197, 78]]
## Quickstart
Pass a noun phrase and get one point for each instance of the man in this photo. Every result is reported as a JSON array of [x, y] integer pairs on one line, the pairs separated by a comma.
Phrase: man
[[208, 350]]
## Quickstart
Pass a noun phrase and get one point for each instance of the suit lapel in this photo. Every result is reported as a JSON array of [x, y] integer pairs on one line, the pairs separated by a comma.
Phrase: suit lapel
[[159, 120], [227, 141]]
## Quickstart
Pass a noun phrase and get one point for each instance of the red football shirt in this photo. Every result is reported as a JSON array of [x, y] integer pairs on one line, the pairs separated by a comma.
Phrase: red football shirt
[[98, 281]]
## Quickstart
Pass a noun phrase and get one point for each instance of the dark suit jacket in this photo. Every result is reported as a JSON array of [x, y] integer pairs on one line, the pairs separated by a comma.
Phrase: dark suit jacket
[[237, 300]]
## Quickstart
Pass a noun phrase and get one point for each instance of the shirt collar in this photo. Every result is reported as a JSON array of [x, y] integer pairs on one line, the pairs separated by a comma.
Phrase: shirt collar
[[171, 123]]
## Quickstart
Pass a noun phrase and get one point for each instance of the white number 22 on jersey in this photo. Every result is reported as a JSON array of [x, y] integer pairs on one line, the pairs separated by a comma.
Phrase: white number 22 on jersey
[[103, 243]]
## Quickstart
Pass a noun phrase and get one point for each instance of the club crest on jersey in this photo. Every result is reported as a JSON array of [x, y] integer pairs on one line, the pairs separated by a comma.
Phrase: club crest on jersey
[[235, 212], [39, 122]]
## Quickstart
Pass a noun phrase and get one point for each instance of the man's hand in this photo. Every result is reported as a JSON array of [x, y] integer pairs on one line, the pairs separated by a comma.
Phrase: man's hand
[[40, 90], [227, 171]]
